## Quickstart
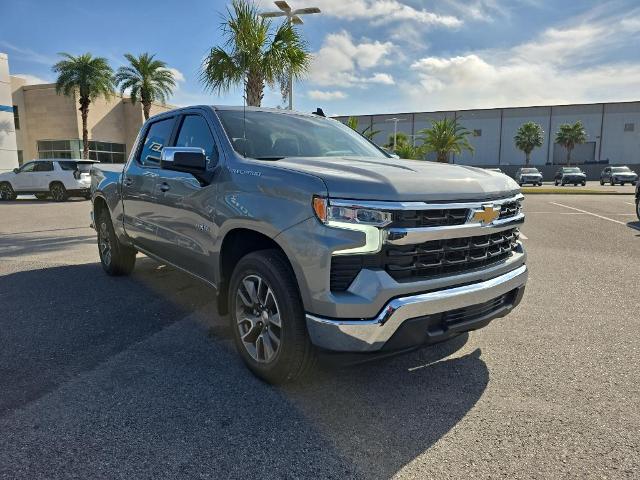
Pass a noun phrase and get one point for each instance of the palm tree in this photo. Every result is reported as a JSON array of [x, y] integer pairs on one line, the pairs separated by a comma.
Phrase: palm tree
[[570, 135], [368, 132], [529, 136], [445, 137], [91, 77], [253, 54], [147, 79], [401, 140], [408, 151]]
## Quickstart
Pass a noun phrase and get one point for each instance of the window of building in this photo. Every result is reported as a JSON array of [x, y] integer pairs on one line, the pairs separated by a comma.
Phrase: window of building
[[16, 117], [194, 132], [157, 137], [477, 132], [102, 151], [20, 158], [629, 127]]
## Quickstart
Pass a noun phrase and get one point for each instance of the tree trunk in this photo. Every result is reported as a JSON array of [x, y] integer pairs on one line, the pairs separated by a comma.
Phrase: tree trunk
[[568, 157], [527, 158], [254, 89], [146, 109], [84, 110], [443, 157]]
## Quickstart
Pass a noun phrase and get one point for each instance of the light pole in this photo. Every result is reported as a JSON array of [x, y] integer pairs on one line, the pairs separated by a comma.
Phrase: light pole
[[293, 16], [395, 121]]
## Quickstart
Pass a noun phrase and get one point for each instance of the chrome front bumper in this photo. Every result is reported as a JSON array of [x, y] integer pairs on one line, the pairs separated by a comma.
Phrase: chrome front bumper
[[370, 335]]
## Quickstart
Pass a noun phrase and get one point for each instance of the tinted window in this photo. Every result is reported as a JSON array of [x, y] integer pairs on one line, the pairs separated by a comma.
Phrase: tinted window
[[67, 165], [28, 167], [157, 138], [43, 167], [195, 132]]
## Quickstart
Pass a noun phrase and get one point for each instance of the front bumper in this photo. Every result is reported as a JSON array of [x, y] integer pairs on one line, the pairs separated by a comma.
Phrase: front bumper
[[375, 334]]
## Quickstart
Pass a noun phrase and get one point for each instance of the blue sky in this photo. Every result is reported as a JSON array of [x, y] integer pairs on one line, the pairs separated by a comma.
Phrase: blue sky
[[369, 56]]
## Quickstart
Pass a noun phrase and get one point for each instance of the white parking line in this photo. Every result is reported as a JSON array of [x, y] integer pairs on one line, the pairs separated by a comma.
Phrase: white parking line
[[523, 236], [589, 213]]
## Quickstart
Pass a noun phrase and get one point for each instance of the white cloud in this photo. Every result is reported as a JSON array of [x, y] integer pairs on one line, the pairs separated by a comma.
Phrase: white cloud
[[31, 79], [377, 11], [562, 65], [341, 62], [177, 74], [326, 95], [383, 78]]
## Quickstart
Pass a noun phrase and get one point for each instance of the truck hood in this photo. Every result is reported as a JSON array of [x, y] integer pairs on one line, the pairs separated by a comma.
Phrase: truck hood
[[392, 179]]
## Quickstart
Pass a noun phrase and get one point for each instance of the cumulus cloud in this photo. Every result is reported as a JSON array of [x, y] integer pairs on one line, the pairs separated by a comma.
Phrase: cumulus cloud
[[562, 65], [326, 95], [177, 74], [341, 62]]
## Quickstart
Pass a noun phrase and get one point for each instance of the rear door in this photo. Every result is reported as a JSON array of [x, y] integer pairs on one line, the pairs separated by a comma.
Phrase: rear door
[[185, 207], [43, 176], [139, 181]]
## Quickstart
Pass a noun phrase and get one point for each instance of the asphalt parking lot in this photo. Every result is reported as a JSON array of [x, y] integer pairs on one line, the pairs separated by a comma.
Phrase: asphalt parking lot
[[136, 377]]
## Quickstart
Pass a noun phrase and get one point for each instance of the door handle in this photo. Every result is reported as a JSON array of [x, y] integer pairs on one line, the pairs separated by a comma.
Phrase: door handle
[[127, 182], [164, 187]]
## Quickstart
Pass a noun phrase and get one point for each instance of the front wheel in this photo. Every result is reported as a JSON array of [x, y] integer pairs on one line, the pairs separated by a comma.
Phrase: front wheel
[[601, 182], [116, 258], [267, 318], [7, 192], [58, 192], [611, 182]]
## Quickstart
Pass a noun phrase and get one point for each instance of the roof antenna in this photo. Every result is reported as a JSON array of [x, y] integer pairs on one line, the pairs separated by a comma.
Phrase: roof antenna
[[319, 112]]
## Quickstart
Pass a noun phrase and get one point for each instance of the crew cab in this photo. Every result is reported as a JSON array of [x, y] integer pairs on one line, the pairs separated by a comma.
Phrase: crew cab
[[621, 175], [314, 239], [528, 175], [573, 175], [58, 179]]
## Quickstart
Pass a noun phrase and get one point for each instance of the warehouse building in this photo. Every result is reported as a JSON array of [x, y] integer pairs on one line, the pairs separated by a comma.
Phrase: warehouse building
[[36, 122], [613, 131]]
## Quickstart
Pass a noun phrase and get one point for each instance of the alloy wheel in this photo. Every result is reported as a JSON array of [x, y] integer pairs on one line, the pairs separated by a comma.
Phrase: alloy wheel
[[104, 243], [5, 192], [57, 192], [258, 318]]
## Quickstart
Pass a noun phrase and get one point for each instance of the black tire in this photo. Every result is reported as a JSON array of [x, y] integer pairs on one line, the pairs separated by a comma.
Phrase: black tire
[[601, 182], [58, 192], [41, 196], [633, 183], [611, 182], [622, 184], [87, 197], [7, 192], [293, 356], [116, 259], [638, 208], [556, 183], [584, 184]]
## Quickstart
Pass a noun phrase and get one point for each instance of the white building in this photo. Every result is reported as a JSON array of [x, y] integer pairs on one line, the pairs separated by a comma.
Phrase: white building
[[8, 147]]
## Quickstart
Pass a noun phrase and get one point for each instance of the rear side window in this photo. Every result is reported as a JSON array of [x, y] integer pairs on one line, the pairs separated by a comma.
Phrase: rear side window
[[157, 137], [194, 132], [43, 167], [67, 165]]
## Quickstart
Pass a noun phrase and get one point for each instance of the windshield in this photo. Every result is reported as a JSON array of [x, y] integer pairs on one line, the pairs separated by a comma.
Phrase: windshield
[[530, 170], [572, 170], [620, 169], [273, 135]]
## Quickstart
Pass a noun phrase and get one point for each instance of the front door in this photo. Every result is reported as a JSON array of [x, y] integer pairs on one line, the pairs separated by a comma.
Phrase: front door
[[139, 181], [185, 207], [26, 179]]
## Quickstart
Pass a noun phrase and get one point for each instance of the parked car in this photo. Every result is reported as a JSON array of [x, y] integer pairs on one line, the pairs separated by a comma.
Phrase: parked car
[[312, 237], [58, 179], [528, 175], [573, 175], [620, 175]]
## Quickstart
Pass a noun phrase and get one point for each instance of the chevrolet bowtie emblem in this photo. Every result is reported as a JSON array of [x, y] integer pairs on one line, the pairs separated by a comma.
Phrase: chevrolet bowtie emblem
[[485, 216]]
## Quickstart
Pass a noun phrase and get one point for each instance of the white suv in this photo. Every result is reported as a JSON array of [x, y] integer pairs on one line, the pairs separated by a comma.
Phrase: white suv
[[59, 179]]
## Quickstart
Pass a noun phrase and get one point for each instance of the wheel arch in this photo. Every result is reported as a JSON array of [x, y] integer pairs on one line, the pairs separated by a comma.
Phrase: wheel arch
[[237, 243]]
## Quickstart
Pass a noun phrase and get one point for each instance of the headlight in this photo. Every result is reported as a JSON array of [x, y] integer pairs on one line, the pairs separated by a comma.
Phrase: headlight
[[352, 217], [328, 214]]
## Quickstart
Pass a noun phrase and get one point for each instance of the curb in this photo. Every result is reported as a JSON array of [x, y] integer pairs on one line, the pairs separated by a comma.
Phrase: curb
[[570, 191]]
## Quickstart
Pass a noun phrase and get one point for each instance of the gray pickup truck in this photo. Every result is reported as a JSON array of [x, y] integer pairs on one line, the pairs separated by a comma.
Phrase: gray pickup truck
[[313, 238]]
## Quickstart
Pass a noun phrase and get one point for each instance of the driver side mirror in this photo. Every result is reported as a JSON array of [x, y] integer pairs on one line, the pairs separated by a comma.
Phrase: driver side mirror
[[186, 159], [16, 170]]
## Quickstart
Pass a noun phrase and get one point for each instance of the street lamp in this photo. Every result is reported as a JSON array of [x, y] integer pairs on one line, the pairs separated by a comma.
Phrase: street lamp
[[293, 16], [395, 128]]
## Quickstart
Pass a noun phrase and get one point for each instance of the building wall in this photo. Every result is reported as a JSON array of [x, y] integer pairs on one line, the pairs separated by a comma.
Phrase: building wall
[[604, 123], [8, 146]]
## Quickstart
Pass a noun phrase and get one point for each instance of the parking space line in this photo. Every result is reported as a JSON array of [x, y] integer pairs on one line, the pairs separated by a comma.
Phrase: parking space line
[[589, 213]]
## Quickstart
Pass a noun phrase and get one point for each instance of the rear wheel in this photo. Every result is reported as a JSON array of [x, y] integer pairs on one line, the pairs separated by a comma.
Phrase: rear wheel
[[58, 192], [601, 182], [7, 192], [622, 184], [116, 258], [611, 182], [267, 318]]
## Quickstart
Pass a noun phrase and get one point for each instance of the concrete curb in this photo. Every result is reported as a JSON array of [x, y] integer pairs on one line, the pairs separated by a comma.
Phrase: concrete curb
[[570, 191]]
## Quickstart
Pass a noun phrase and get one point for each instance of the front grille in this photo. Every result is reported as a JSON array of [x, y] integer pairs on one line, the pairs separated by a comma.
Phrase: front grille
[[472, 312], [510, 209], [427, 260], [429, 218]]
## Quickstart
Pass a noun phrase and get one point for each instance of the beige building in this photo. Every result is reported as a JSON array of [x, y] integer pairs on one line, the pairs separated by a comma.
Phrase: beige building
[[48, 125]]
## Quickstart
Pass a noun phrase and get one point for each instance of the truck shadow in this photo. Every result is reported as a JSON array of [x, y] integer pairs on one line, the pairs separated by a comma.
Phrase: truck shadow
[[87, 359]]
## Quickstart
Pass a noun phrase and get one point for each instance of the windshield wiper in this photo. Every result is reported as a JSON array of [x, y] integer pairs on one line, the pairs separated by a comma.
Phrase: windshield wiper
[[269, 157]]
